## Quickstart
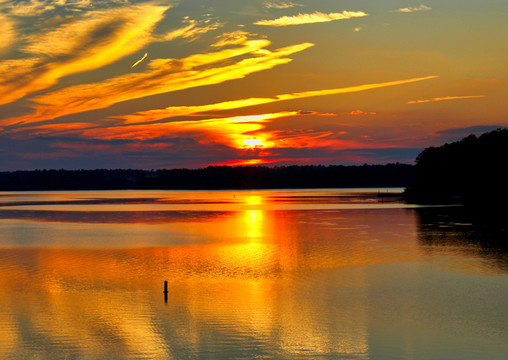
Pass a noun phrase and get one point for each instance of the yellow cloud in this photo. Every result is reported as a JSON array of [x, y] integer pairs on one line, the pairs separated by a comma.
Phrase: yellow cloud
[[280, 4], [159, 114], [233, 38], [190, 31], [139, 61], [31, 8], [164, 75], [99, 39], [7, 29], [174, 34], [316, 17], [413, 9], [351, 88], [445, 98], [99, 34], [199, 30]]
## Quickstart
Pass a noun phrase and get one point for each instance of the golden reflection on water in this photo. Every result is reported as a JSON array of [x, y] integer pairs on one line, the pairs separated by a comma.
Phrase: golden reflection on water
[[251, 275], [90, 298], [256, 282], [254, 223]]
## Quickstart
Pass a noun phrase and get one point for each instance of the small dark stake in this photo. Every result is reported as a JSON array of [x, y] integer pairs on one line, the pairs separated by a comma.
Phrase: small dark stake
[[165, 291]]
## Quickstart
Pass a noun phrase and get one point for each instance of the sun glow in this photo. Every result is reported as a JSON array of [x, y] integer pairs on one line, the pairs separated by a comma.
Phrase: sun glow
[[253, 142]]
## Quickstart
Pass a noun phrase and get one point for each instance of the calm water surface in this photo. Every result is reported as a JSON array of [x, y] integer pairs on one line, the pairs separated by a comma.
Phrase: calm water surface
[[301, 274]]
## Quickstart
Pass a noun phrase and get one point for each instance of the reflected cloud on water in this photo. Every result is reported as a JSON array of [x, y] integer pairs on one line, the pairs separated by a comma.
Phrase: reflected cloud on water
[[252, 283]]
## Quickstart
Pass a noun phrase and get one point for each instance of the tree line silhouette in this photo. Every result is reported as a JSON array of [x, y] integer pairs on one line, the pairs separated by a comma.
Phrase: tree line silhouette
[[471, 171], [213, 177]]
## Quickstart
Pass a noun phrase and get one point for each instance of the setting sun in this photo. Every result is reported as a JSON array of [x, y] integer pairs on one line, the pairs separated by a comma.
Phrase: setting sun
[[253, 142]]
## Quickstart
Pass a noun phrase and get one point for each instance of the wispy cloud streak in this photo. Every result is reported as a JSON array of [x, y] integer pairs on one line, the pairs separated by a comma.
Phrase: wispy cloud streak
[[445, 98], [353, 88], [192, 29], [316, 17], [139, 61], [159, 114], [31, 8], [233, 38], [163, 75], [280, 4]]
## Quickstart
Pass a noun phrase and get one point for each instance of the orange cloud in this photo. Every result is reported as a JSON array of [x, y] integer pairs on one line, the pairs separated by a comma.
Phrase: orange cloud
[[238, 132], [247, 162], [235, 132], [301, 139], [163, 75], [159, 114], [247, 133], [98, 39], [229, 131], [445, 98], [316, 17], [361, 112]]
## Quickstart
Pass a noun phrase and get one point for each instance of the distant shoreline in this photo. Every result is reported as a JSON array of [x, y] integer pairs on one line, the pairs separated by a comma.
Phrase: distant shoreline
[[212, 178]]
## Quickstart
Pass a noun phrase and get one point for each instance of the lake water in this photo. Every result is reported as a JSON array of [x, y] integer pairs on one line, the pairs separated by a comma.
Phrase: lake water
[[275, 274]]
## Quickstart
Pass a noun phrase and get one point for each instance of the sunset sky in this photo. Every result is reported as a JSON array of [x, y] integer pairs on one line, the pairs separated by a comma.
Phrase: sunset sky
[[168, 84]]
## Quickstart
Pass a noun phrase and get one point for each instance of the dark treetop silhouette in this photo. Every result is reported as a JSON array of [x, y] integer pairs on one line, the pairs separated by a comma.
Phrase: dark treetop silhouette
[[471, 171]]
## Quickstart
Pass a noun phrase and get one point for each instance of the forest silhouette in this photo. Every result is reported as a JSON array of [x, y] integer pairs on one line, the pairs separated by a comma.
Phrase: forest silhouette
[[471, 171], [213, 177]]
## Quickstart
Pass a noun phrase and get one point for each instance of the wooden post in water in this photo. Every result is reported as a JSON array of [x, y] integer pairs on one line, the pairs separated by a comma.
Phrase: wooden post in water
[[165, 291]]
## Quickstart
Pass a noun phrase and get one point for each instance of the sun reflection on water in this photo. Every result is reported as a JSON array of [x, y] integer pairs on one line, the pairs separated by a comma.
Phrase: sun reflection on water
[[254, 200], [254, 224]]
